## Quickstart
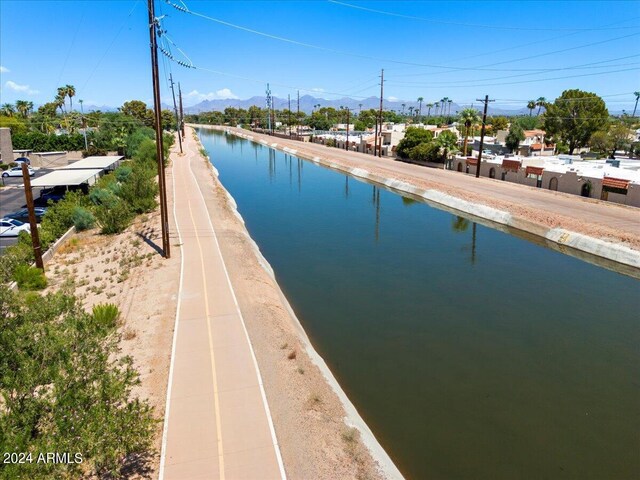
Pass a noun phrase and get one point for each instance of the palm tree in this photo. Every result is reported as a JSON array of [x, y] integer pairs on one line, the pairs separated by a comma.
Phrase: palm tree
[[71, 92], [448, 143], [22, 106], [531, 105], [541, 102], [403, 105], [360, 108], [449, 101], [637, 94], [468, 117], [429, 106], [420, 100], [8, 110], [410, 111], [60, 99]]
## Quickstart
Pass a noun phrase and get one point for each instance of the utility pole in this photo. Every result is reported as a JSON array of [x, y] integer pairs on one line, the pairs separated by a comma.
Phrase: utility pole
[[381, 98], [348, 120], [84, 127], [298, 118], [289, 114], [268, 92], [181, 110], [175, 109], [164, 219], [35, 238], [484, 124]]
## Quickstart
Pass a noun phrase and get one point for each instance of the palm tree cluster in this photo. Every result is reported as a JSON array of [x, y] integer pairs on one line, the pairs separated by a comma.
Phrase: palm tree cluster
[[23, 107], [63, 93]]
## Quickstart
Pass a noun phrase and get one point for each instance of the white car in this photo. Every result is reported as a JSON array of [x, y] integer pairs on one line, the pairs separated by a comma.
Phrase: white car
[[12, 228], [17, 172]]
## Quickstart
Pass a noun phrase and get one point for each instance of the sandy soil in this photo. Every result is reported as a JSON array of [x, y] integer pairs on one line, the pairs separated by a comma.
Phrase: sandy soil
[[308, 417], [124, 269]]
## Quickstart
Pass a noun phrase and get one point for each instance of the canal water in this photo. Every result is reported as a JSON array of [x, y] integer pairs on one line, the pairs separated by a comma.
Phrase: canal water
[[471, 353]]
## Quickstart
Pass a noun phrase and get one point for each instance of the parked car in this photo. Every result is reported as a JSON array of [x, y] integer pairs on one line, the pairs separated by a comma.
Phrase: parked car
[[23, 215], [23, 160], [17, 172], [10, 227]]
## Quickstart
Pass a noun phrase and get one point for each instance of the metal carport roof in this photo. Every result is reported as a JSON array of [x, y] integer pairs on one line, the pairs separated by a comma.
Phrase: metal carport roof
[[94, 162], [66, 177]]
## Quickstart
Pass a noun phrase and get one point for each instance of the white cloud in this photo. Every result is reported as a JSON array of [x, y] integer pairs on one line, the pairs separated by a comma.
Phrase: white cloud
[[317, 89], [20, 88], [392, 99], [222, 94], [4, 69]]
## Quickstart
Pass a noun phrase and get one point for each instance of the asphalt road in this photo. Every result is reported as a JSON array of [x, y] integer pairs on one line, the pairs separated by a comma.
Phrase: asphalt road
[[12, 198]]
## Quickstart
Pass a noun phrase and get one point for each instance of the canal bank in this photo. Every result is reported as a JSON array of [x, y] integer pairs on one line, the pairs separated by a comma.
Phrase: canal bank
[[568, 223], [320, 433]]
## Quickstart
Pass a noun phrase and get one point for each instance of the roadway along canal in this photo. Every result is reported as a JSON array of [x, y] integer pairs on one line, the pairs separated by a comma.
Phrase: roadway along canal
[[471, 353]]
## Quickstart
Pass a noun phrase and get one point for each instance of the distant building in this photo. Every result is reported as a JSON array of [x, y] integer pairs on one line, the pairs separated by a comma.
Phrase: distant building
[[612, 180]]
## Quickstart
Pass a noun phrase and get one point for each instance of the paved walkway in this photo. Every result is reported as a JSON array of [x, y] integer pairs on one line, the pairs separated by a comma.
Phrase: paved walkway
[[611, 215], [217, 422]]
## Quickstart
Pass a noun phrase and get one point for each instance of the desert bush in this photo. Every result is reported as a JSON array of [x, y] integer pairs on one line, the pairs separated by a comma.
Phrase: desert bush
[[65, 388], [83, 219], [29, 278], [113, 216], [106, 315]]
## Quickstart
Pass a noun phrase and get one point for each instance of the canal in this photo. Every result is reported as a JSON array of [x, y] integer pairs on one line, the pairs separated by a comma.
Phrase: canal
[[471, 353]]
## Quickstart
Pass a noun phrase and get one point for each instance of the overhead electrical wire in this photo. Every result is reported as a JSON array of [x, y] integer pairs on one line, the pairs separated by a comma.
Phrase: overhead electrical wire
[[474, 25], [185, 9]]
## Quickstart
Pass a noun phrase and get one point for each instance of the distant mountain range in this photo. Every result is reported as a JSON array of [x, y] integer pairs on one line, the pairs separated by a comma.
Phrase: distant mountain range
[[308, 103]]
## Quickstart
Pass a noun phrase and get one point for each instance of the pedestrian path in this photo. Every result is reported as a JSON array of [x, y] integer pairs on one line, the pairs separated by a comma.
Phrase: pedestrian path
[[217, 421]]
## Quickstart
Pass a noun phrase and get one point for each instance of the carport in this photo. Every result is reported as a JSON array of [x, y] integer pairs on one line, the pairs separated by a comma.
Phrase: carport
[[67, 178], [107, 163]]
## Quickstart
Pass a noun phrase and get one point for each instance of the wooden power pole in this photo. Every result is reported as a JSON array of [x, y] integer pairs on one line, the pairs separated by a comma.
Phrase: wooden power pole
[[380, 122], [164, 219], [484, 124], [35, 237], [181, 111], [175, 109]]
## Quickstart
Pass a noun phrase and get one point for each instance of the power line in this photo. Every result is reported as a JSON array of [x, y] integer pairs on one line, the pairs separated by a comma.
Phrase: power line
[[474, 25], [184, 9], [538, 80]]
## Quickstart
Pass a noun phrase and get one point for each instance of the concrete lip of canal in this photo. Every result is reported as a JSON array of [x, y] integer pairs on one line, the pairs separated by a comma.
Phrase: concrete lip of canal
[[470, 352]]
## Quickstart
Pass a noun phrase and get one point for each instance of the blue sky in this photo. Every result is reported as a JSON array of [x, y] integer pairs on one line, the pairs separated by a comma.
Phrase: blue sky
[[525, 49]]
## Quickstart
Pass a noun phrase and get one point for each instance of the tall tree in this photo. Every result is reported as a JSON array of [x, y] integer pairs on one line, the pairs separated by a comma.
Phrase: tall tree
[[420, 100], [468, 117], [429, 107], [8, 110], [514, 137], [22, 107], [531, 106], [574, 117], [448, 143], [637, 94], [403, 105], [541, 102], [71, 92]]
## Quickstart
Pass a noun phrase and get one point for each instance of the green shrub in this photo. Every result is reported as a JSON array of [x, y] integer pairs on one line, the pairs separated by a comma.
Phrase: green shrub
[[4, 166], [113, 216], [122, 173], [83, 219], [425, 152], [59, 216], [106, 315], [139, 191], [29, 278], [66, 388], [413, 137], [136, 138]]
